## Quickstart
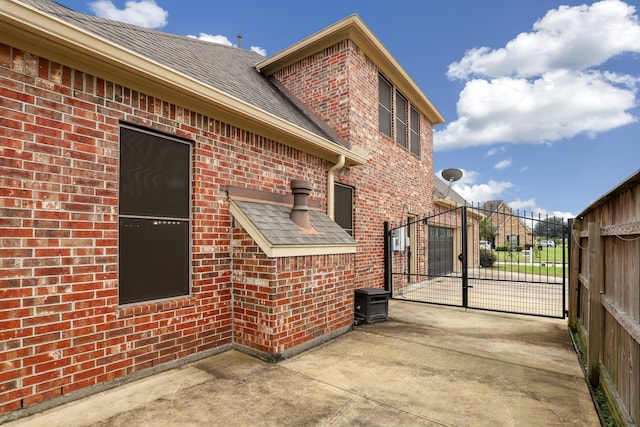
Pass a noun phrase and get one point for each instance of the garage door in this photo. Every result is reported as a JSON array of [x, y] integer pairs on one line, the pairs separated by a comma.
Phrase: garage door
[[440, 251]]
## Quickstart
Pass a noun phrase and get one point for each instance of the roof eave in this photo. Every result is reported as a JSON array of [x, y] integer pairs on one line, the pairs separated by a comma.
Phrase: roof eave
[[45, 35], [355, 29]]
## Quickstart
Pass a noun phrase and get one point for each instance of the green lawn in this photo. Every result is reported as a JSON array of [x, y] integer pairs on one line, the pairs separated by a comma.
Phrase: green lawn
[[547, 261], [552, 255], [530, 269]]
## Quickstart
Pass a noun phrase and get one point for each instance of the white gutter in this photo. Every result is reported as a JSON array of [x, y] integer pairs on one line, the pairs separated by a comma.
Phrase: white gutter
[[330, 186]]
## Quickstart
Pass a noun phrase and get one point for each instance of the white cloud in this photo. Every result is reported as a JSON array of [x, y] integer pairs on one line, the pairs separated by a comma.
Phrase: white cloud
[[503, 164], [474, 192], [480, 193], [495, 150], [145, 13], [225, 41], [542, 86], [530, 207], [213, 39], [577, 38], [259, 50]]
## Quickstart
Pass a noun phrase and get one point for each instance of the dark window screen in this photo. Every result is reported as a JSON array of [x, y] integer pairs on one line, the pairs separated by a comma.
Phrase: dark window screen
[[343, 211], [154, 259], [154, 175], [155, 228]]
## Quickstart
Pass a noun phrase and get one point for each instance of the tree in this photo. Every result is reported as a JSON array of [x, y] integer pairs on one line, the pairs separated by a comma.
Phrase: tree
[[550, 228], [487, 230]]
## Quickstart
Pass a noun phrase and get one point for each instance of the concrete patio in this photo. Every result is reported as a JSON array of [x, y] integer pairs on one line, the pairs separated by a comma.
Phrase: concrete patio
[[426, 366]]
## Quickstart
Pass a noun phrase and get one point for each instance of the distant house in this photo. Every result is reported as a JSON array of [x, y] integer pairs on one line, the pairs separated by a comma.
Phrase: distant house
[[165, 198], [510, 229]]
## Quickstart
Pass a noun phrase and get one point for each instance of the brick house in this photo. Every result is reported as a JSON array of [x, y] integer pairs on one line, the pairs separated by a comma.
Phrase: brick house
[[146, 211], [510, 229]]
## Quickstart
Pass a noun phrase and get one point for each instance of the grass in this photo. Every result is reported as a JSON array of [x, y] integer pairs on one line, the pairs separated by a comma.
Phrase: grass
[[599, 398], [543, 255], [555, 271], [546, 261]]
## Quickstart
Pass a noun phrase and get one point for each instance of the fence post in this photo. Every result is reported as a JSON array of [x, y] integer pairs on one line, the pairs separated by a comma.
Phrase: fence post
[[464, 259], [574, 271], [595, 306], [387, 257]]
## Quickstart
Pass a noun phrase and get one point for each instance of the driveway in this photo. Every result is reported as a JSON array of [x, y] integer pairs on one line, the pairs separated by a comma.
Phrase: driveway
[[426, 366]]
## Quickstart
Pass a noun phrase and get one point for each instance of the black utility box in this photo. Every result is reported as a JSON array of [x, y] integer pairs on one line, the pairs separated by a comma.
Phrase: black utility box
[[372, 305]]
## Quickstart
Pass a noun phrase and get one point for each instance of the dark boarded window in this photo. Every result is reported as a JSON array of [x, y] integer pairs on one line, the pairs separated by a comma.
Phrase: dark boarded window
[[154, 223], [343, 207]]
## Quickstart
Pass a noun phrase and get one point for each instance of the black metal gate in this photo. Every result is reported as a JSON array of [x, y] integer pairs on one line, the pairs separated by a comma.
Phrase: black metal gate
[[485, 259]]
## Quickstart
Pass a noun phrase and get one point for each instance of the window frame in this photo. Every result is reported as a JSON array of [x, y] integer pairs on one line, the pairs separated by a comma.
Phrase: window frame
[[175, 233]]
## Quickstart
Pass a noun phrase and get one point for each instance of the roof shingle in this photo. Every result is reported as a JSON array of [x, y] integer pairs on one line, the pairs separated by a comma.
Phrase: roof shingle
[[226, 68]]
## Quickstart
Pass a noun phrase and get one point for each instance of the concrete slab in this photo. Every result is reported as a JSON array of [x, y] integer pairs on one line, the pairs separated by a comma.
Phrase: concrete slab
[[426, 366]]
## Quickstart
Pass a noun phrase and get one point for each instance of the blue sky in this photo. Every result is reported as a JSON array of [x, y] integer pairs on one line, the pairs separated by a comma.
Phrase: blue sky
[[540, 97]]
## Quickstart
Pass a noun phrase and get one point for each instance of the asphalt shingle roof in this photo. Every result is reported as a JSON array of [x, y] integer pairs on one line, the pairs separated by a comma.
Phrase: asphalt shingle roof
[[226, 68], [274, 224]]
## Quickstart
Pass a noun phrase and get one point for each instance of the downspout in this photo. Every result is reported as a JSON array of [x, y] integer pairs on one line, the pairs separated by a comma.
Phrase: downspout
[[330, 186]]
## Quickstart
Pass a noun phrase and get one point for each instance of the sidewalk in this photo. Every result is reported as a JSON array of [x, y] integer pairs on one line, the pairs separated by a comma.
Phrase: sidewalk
[[426, 366]]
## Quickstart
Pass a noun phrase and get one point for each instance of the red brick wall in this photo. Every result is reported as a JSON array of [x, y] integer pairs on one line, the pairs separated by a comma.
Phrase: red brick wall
[[341, 85], [284, 302], [61, 328]]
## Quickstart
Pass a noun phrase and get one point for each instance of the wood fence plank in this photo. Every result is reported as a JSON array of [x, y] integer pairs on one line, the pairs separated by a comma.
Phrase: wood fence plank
[[634, 376], [574, 282], [620, 230], [629, 324], [595, 307]]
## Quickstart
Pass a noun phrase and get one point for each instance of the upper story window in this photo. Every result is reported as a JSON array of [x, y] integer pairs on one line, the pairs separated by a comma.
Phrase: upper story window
[[385, 95], [154, 222], [397, 118], [414, 133], [401, 119]]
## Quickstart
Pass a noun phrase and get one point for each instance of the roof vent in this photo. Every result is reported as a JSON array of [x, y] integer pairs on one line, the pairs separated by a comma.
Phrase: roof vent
[[300, 212]]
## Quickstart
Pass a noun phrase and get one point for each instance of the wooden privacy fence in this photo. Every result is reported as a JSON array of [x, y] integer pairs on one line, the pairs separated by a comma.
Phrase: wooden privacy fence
[[604, 296]]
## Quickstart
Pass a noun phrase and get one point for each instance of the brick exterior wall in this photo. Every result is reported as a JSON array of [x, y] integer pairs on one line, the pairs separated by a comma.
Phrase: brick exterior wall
[[341, 85], [280, 303], [61, 329]]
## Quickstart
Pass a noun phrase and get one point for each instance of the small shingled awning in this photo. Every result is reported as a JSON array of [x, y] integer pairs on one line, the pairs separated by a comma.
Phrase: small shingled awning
[[268, 223]]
